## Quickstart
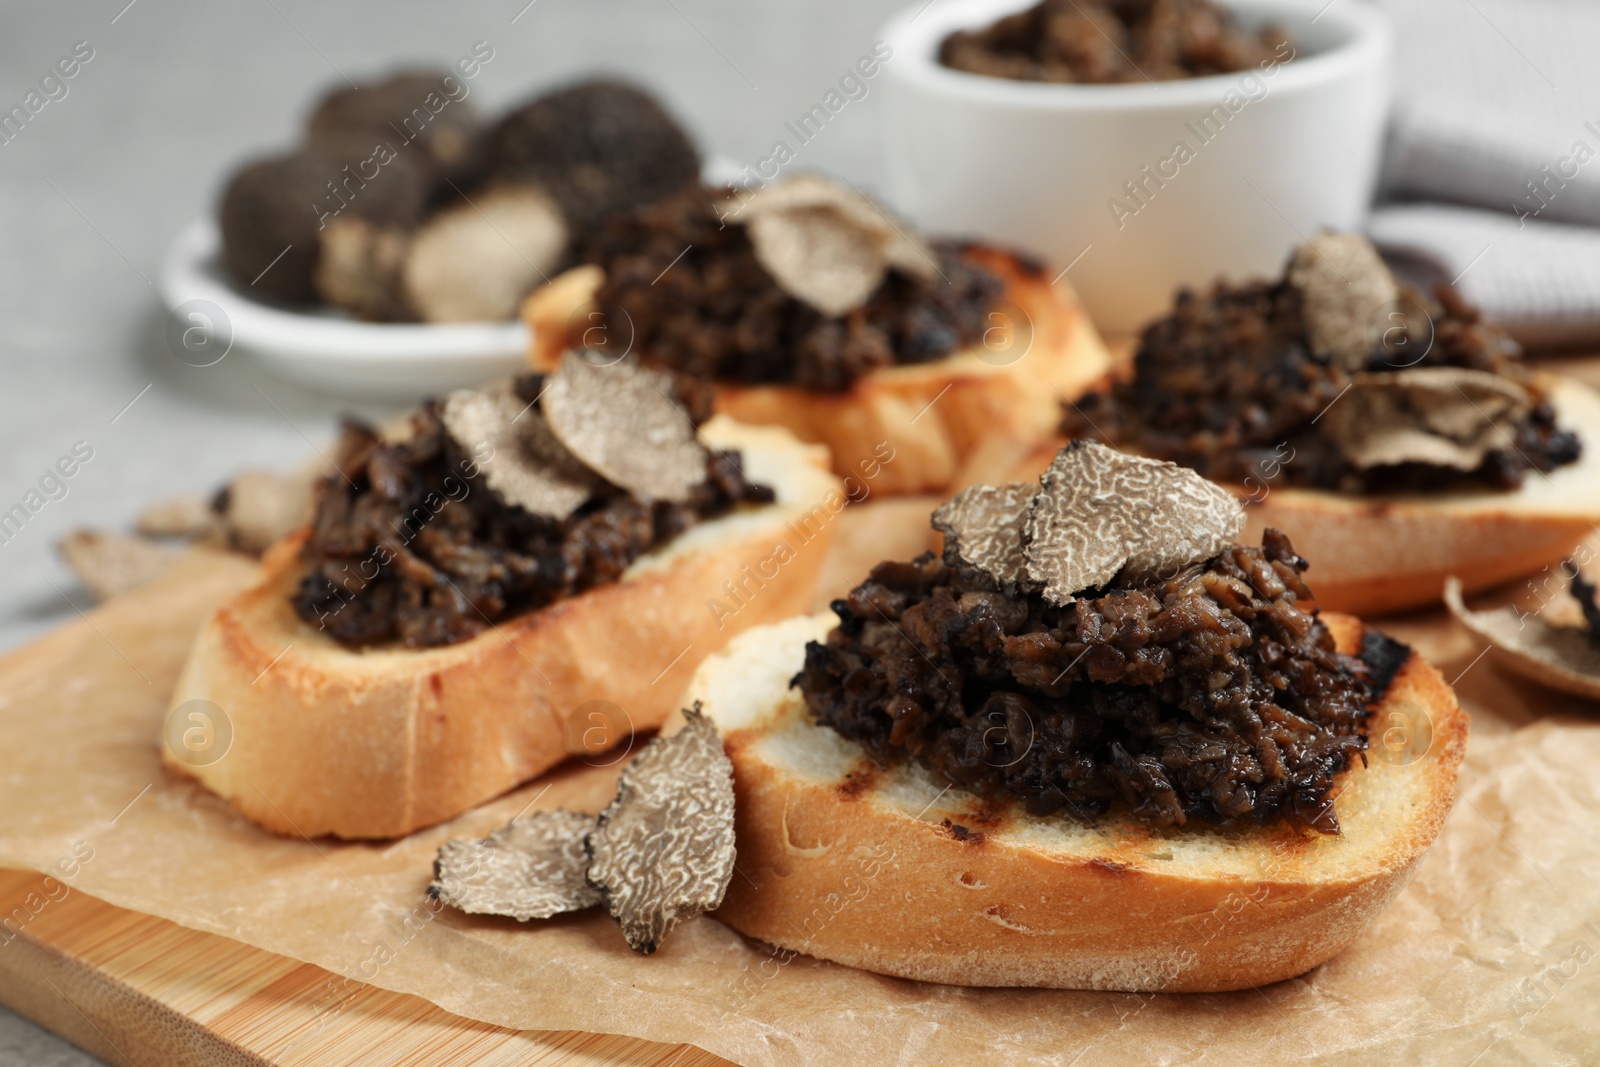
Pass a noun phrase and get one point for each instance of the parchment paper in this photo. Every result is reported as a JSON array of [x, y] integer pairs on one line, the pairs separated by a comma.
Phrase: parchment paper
[[1489, 953]]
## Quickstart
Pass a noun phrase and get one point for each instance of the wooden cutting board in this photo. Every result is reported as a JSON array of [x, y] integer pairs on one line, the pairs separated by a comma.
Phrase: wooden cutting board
[[138, 991]]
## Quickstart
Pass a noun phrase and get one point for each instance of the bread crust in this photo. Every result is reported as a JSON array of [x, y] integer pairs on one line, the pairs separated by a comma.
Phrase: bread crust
[[932, 414], [885, 871], [1376, 555], [380, 742]]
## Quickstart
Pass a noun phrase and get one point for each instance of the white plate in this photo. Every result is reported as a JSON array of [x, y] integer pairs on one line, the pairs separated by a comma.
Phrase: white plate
[[324, 350]]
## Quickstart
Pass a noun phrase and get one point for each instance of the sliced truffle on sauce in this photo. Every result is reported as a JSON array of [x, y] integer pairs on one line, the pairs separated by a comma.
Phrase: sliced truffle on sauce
[[521, 460], [983, 527], [1344, 286], [619, 418], [1100, 512], [1444, 416], [827, 244]]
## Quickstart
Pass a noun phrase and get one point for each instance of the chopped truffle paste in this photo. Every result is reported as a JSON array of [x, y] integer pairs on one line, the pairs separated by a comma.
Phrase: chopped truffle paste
[[414, 542], [1248, 384], [685, 288], [1213, 695], [1100, 41]]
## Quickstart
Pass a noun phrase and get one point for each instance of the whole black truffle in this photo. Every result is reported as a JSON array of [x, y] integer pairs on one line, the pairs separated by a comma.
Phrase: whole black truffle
[[599, 147], [268, 220], [274, 212], [425, 109]]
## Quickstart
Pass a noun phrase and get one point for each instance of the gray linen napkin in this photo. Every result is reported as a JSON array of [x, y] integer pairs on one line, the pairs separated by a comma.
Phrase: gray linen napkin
[[1541, 280], [1497, 112]]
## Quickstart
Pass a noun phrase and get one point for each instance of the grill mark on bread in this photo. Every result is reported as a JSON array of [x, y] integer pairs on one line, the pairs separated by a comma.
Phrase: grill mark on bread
[[1000, 915], [860, 780], [962, 833], [988, 813], [1385, 658]]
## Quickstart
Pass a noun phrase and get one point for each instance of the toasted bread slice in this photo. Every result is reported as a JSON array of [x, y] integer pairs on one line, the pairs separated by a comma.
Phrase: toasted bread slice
[[927, 416], [890, 871], [1376, 554], [379, 742]]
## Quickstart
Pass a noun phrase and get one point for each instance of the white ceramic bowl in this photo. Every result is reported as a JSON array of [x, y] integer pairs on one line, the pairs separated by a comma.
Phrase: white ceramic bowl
[[1042, 167]]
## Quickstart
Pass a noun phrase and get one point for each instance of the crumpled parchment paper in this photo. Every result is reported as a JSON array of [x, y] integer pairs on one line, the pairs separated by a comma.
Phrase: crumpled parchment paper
[[1492, 952]]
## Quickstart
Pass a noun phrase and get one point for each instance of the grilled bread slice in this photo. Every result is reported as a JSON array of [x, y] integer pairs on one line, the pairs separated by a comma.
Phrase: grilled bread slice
[[1377, 554], [929, 416], [889, 870], [378, 742]]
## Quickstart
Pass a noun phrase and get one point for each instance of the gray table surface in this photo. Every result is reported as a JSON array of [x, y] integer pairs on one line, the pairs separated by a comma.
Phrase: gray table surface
[[99, 182]]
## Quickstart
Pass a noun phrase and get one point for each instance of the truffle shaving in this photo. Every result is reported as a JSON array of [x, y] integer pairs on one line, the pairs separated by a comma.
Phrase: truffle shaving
[[982, 527], [523, 463], [477, 261], [1100, 511], [1343, 285], [1564, 658], [260, 508], [358, 269], [663, 851], [531, 868], [110, 564], [826, 244], [621, 421], [1444, 416], [180, 516]]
